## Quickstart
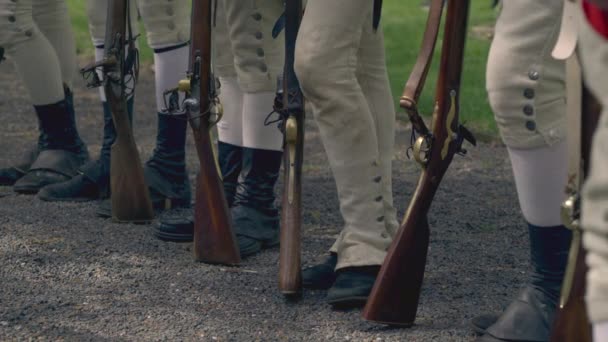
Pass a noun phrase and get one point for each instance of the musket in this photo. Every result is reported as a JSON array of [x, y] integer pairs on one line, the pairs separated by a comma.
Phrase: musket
[[583, 111], [293, 117], [394, 297], [571, 321], [214, 238], [130, 196]]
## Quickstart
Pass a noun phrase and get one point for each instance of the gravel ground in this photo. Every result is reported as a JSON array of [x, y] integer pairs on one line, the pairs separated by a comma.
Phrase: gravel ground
[[67, 275]]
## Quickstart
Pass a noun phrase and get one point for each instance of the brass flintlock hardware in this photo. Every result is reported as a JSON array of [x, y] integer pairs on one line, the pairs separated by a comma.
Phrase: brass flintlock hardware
[[191, 106], [89, 72], [570, 215], [422, 145]]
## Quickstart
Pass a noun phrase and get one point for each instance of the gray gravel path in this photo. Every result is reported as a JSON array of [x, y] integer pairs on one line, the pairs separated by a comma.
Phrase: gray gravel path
[[67, 275]]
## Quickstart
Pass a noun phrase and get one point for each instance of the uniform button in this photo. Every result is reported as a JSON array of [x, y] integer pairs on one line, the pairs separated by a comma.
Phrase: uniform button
[[264, 68], [11, 18], [171, 26], [384, 236], [28, 33], [169, 11], [257, 16], [259, 35], [378, 179], [534, 75], [552, 133], [531, 125], [529, 93], [378, 199], [380, 219], [260, 52], [528, 110]]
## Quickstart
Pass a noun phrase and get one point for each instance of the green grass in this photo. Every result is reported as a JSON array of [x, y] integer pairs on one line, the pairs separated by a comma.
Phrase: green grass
[[83, 38], [403, 22]]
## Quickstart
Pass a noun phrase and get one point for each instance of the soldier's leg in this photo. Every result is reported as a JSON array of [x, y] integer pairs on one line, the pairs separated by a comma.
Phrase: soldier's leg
[[61, 149], [373, 79], [53, 21], [593, 50], [230, 128], [258, 61], [526, 89], [327, 57], [177, 226], [92, 182], [168, 32]]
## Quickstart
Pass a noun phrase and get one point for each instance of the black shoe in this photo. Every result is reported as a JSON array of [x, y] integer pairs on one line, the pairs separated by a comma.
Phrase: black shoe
[[321, 276], [62, 151], [11, 174], [160, 203], [352, 287], [77, 189], [178, 226], [255, 216], [175, 225], [530, 316]]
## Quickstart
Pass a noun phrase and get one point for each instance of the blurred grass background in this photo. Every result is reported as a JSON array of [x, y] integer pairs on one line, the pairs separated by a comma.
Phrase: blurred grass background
[[403, 22]]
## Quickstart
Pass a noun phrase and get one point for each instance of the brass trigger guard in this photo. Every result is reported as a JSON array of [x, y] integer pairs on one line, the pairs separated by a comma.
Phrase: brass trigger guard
[[216, 111], [421, 149]]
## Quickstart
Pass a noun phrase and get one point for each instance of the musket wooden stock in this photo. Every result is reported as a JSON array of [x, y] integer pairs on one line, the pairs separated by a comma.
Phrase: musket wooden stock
[[214, 239], [290, 280], [394, 297], [129, 193], [571, 322]]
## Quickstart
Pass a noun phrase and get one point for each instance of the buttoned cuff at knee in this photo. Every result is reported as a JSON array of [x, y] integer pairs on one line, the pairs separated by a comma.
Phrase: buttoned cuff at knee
[[527, 126]]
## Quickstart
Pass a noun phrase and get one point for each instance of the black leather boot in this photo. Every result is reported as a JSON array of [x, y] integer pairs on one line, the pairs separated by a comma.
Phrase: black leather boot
[[10, 175], [254, 214], [231, 162], [177, 226], [93, 180], [62, 151], [165, 171], [321, 276], [530, 316], [352, 287]]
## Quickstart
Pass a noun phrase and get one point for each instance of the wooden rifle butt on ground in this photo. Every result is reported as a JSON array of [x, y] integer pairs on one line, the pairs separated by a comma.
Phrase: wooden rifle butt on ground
[[394, 298], [571, 321], [130, 196], [214, 238], [291, 108], [290, 274]]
